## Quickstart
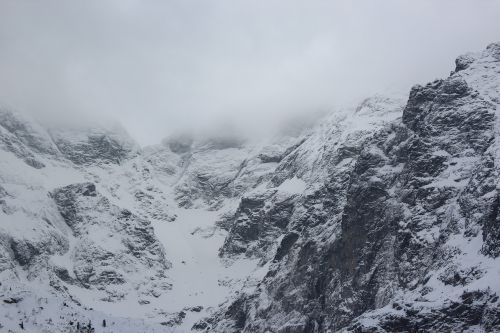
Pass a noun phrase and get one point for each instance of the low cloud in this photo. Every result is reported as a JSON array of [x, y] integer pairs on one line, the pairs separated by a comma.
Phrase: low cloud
[[167, 66]]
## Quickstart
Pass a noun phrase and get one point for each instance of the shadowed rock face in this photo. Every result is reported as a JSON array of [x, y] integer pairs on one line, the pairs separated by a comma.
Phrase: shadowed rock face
[[27, 132], [473, 309], [389, 225], [95, 148], [28, 140], [21, 139], [381, 218], [135, 260], [216, 169]]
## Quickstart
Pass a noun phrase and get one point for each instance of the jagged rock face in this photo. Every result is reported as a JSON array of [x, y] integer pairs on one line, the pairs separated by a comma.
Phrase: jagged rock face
[[77, 241], [255, 223], [134, 256], [207, 172], [472, 310], [220, 168], [210, 175], [28, 233], [396, 213], [265, 215], [17, 137], [85, 146], [28, 132], [380, 218]]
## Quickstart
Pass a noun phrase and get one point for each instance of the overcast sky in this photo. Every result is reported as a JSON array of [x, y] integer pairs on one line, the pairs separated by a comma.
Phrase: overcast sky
[[165, 66]]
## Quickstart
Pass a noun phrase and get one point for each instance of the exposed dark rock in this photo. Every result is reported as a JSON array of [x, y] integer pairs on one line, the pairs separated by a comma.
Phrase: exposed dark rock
[[24, 252], [463, 62], [12, 300], [85, 146], [491, 230], [176, 320], [476, 308], [247, 224], [30, 134], [382, 223], [393, 225], [494, 50], [97, 266], [200, 326], [12, 144], [453, 276], [194, 308], [285, 246], [268, 158]]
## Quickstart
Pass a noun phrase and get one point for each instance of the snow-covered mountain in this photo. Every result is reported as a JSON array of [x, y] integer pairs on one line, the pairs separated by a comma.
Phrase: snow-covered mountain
[[379, 218]]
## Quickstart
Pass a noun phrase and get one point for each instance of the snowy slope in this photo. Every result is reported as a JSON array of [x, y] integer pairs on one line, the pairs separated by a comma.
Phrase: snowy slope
[[397, 229], [98, 224], [381, 217]]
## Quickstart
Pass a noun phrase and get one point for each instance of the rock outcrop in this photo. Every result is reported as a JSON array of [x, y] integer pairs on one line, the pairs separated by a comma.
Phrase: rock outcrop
[[112, 248], [379, 218], [400, 234]]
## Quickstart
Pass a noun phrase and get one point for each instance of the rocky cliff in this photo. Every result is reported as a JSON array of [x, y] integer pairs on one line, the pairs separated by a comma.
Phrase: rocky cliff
[[397, 228], [379, 218]]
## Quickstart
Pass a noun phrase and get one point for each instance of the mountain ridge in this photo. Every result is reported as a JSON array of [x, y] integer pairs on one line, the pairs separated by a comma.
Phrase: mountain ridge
[[382, 217]]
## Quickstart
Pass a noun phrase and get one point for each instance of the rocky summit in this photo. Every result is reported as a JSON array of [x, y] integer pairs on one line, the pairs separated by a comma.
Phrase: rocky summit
[[383, 217]]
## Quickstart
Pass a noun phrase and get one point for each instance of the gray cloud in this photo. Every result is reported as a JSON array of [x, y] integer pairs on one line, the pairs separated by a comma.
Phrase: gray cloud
[[165, 66]]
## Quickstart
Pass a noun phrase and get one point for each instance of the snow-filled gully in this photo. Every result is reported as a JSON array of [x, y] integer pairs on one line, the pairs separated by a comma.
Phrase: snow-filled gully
[[199, 276]]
